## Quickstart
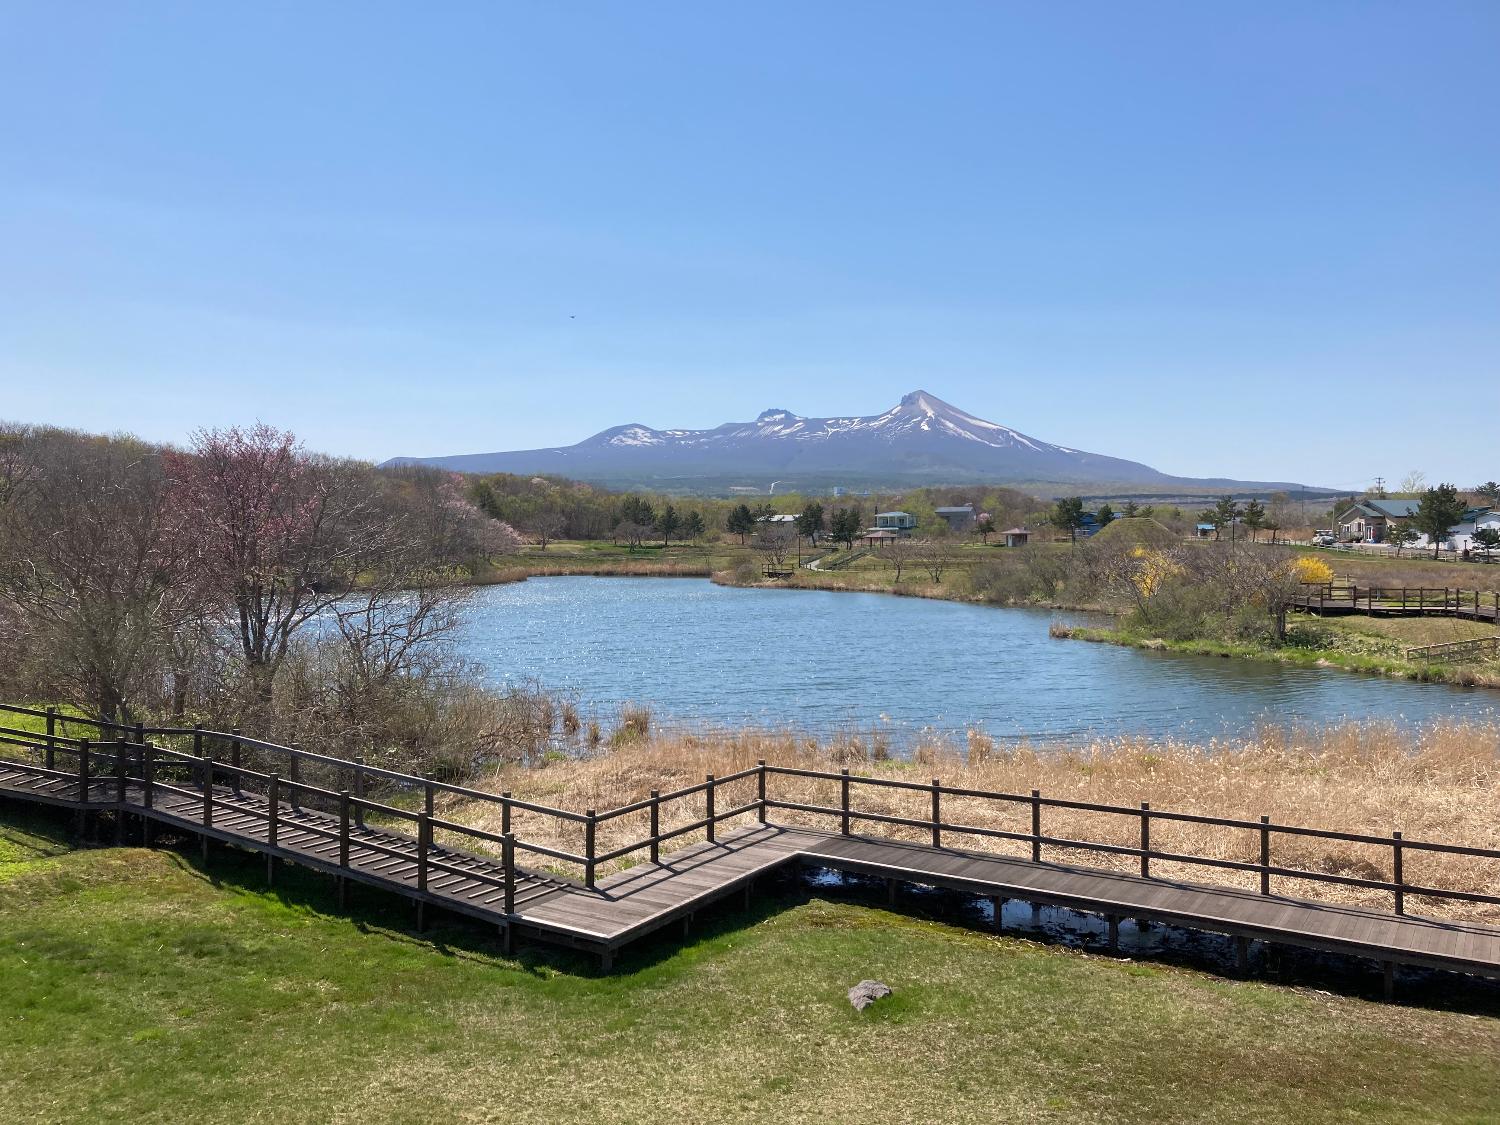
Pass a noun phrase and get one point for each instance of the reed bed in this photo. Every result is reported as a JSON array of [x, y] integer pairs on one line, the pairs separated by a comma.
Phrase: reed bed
[[1436, 783]]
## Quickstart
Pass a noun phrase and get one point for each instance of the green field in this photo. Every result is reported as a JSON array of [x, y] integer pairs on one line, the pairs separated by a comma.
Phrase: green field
[[135, 986]]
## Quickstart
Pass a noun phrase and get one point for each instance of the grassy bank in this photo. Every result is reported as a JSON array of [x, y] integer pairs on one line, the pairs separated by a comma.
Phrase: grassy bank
[[1316, 643], [135, 986]]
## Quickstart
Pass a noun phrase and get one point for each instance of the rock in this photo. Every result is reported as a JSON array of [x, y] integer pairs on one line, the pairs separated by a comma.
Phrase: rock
[[866, 992]]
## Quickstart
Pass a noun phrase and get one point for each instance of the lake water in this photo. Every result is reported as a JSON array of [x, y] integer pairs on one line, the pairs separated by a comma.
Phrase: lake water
[[819, 661]]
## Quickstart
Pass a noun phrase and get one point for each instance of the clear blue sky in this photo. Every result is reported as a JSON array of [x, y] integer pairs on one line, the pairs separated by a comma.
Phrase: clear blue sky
[[1259, 240]]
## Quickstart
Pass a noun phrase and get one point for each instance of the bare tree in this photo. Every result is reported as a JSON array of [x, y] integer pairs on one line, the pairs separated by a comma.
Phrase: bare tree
[[775, 542], [281, 535], [899, 554], [545, 526], [937, 555], [88, 559]]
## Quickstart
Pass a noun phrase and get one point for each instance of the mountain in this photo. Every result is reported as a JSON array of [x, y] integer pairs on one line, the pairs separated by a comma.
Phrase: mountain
[[921, 441]]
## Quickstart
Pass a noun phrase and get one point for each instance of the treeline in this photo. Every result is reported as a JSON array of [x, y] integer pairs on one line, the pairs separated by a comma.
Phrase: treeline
[[244, 581], [547, 508]]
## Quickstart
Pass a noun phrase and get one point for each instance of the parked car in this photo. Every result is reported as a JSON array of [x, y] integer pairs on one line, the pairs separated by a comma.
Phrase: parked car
[[1323, 539]]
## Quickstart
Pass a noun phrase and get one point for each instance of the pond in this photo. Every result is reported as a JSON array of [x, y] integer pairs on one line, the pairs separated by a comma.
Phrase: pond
[[701, 654]]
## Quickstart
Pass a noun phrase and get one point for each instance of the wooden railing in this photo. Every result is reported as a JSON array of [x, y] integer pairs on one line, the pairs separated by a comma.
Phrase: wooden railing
[[1406, 599], [1480, 648], [129, 763]]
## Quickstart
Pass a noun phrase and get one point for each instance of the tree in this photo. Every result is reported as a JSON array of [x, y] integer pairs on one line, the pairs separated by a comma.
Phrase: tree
[[846, 526], [1105, 515], [694, 527], [92, 557], [1255, 517], [1437, 514], [984, 529], [1487, 539], [1223, 515], [1401, 535], [898, 554], [280, 536], [1412, 482], [1490, 490], [668, 524], [1068, 515], [635, 510], [634, 534], [1131, 509], [741, 522], [774, 542], [936, 555], [810, 522], [544, 526]]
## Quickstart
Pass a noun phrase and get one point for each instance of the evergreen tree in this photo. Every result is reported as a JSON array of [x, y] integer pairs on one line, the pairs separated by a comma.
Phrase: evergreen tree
[[985, 528], [741, 522], [1255, 516], [1131, 510], [810, 522], [694, 526], [1068, 515], [668, 524], [1441, 508], [1105, 516], [1223, 514]]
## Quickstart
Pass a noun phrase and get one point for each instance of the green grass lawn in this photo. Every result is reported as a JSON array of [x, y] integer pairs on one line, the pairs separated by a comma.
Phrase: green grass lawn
[[135, 987]]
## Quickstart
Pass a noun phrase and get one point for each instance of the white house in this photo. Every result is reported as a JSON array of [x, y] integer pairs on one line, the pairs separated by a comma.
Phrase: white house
[[1461, 538]]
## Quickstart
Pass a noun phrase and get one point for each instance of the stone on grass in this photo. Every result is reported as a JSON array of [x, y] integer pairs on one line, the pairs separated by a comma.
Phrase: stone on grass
[[866, 992]]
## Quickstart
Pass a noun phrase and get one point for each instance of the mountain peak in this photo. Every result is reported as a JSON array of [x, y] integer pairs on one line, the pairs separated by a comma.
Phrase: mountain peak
[[775, 414], [926, 402]]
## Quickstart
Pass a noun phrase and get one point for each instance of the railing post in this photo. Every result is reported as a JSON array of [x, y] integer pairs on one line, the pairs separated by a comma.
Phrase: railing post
[[83, 770], [234, 755], [656, 826], [343, 828], [505, 812], [588, 850], [844, 801], [508, 857], [1265, 855], [428, 795], [140, 736], [273, 797], [198, 742], [359, 791], [148, 775], [1036, 826], [122, 775], [1397, 876], [1145, 839], [51, 758], [760, 789], [937, 814], [708, 796], [424, 837], [293, 773], [208, 791]]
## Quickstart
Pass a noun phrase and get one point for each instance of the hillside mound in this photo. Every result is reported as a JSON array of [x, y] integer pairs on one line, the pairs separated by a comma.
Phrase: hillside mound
[[1136, 531]]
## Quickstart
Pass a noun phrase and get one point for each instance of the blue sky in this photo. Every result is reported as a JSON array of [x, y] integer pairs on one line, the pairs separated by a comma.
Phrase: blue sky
[[1258, 240]]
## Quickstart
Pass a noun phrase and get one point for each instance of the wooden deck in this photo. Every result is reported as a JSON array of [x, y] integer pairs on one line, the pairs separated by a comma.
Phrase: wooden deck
[[627, 906]]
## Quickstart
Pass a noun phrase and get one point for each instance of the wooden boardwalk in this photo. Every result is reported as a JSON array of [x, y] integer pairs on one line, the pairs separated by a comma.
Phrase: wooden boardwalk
[[1334, 600], [602, 916]]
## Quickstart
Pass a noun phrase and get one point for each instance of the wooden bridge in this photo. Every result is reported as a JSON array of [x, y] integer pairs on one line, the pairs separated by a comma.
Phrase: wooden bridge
[[1333, 599], [294, 806]]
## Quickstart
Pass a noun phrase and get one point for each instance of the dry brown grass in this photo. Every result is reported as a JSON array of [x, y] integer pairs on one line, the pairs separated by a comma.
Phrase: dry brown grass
[[1437, 784]]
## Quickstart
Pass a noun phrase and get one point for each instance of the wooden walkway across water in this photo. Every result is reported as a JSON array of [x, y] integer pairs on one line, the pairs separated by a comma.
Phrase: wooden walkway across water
[[154, 787]]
